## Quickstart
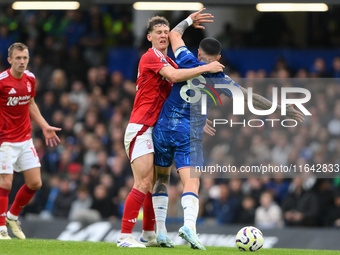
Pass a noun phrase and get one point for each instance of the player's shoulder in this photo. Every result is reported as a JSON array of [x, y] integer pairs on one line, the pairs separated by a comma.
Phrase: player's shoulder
[[29, 74], [152, 52], [4, 75]]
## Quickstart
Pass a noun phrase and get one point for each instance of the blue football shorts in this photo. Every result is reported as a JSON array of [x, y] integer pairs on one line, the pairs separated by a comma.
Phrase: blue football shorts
[[172, 145]]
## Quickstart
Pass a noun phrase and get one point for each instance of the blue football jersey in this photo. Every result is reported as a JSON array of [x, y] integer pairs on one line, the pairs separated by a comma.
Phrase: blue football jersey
[[186, 108]]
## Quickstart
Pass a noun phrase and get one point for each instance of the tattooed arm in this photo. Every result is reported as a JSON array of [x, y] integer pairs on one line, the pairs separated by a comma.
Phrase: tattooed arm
[[265, 104], [195, 19]]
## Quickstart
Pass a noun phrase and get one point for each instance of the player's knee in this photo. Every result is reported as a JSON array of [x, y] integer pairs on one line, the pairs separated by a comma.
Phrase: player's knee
[[192, 185], [144, 185], [6, 181], [6, 185], [36, 185]]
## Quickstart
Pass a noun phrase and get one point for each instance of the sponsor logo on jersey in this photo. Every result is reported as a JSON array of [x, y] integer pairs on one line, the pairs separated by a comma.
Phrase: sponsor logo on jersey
[[12, 91], [29, 87], [13, 101]]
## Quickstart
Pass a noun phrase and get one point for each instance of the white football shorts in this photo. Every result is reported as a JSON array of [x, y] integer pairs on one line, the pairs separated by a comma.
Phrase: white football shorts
[[18, 157], [138, 140]]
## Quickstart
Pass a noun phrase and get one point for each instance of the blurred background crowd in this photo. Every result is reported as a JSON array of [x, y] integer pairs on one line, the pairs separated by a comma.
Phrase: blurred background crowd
[[88, 176]]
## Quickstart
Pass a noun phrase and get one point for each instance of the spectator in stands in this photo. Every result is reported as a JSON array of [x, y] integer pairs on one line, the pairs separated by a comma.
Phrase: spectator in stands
[[336, 67], [333, 216], [63, 201], [226, 207], [278, 187], [325, 194], [80, 208], [247, 211], [281, 150], [268, 214], [253, 187], [103, 203], [319, 68], [58, 83], [300, 207]]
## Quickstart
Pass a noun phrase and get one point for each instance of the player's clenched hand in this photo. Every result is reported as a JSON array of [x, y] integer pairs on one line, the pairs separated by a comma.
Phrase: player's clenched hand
[[199, 17], [51, 137], [294, 114], [214, 67], [209, 129]]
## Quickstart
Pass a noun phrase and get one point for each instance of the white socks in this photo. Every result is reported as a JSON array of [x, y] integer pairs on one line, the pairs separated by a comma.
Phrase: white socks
[[11, 216], [160, 206], [124, 235], [190, 207], [147, 235]]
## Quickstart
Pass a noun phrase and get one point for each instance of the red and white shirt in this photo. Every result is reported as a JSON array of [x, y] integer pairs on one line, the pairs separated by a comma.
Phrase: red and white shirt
[[15, 95], [152, 88]]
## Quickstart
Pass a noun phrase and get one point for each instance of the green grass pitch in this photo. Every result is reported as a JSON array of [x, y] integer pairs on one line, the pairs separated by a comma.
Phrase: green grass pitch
[[55, 247]]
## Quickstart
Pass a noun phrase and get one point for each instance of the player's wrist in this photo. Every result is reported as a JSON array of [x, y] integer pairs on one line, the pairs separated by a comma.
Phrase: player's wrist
[[205, 68], [189, 21]]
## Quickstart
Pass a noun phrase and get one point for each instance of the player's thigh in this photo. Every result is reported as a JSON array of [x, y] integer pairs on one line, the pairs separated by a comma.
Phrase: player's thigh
[[188, 155], [28, 157], [142, 167], [163, 146], [188, 151], [9, 154], [143, 173]]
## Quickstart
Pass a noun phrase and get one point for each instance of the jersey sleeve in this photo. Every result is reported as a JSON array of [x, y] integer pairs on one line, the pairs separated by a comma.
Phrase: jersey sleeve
[[185, 58], [33, 87], [31, 78], [155, 61], [228, 81]]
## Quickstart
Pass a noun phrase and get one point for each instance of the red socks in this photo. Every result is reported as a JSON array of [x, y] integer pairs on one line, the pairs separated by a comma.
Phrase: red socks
[[22, 198], [132, 206], [148, 214], [3, 205]]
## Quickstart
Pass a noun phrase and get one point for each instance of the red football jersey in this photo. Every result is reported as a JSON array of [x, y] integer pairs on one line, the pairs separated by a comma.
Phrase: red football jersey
[[152, 88], [15, 94]]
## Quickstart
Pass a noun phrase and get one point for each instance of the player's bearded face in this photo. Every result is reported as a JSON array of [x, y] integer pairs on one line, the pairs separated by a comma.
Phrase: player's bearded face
[[19, 60], [159, 37]]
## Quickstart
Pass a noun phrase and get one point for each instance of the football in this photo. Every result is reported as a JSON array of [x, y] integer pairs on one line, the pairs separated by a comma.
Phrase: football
[[249, 239]]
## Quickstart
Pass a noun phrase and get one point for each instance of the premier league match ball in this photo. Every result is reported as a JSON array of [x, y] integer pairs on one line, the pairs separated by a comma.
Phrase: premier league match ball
[[249, 239]]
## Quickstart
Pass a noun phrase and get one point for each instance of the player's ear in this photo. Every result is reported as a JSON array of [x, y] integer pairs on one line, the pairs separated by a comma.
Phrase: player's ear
[[218, 58], [9, 60], [148, 36]]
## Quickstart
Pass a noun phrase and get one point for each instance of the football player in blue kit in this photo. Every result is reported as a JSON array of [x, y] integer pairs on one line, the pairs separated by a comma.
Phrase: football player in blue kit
[[178, 132]]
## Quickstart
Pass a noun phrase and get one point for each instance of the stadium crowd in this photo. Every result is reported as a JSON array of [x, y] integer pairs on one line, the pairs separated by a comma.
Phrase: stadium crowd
[[88, 176]]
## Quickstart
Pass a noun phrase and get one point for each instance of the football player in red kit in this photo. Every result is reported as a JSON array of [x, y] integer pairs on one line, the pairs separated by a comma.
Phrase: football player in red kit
[[156, 74], [17, 152]]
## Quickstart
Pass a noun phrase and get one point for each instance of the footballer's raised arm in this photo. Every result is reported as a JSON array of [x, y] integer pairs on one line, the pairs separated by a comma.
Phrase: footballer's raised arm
[[194, 19]]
